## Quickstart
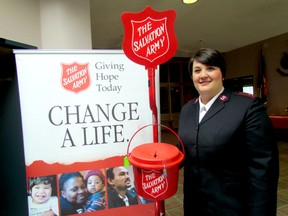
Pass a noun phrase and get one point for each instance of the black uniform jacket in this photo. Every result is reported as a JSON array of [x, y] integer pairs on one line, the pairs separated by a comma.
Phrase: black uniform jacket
[[231, 162]]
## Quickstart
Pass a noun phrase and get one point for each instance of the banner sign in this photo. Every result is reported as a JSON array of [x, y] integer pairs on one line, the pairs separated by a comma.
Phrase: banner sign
[[79, 109]]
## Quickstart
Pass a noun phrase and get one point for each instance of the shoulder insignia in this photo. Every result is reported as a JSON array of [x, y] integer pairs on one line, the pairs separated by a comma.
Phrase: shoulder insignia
[[245, 94], [223, 98]]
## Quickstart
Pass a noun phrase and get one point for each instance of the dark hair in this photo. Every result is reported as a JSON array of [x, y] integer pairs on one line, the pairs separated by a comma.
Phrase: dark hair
[[43, 180], [110, 173], [210, 57], [66, 176]]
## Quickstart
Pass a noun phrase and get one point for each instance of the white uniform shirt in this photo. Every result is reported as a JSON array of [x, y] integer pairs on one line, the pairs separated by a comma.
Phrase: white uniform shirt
[[205, 107]]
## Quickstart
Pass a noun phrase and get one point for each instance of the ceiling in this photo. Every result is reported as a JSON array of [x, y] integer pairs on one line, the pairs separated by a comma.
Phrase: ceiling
[[222, 24]]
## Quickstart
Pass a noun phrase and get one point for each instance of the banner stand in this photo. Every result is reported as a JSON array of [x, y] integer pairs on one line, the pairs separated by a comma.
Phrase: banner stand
[[79, 110]]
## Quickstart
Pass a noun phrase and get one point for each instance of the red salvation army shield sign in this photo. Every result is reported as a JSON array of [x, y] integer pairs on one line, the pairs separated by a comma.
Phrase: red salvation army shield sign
[[153, 45], [75, 77], [154, 183], [149, 37]]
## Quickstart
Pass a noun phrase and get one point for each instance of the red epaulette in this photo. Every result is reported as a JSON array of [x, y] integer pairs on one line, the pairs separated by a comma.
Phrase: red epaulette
[[245, 94]]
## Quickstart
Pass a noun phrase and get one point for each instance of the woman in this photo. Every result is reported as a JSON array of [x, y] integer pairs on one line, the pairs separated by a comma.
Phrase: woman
[[73, 193], [231, 164]]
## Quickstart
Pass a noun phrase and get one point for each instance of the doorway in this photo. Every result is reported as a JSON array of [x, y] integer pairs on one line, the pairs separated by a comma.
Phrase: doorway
[[176, 89]]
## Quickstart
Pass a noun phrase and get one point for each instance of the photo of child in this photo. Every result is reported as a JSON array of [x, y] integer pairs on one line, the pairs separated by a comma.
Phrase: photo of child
[[96, 189], [41, 198]]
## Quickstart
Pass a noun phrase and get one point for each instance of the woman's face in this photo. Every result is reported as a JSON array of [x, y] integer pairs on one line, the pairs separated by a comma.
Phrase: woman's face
[[75, 190], [94, 184], [207, 79]]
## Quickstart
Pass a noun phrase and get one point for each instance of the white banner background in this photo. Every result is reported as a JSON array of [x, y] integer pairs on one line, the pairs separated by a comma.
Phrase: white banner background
[[40, 86]]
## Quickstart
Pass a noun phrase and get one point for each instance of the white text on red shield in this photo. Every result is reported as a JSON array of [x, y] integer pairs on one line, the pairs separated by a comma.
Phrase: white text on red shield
[[75, 77], [154, 183], [153, 41]]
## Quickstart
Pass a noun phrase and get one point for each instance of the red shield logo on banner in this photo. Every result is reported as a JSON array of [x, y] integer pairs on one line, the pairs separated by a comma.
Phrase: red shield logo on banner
[[75, 77], [149, 37], [154, 183]]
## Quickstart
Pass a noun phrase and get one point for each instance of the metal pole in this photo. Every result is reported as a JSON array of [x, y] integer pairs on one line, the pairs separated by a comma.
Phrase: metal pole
[[159, 205]]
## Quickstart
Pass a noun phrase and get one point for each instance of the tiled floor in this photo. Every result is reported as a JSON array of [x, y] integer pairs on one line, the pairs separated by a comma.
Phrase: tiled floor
[[173, 205]]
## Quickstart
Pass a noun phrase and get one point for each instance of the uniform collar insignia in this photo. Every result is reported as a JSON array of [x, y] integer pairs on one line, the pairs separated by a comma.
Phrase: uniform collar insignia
[[223, 98]]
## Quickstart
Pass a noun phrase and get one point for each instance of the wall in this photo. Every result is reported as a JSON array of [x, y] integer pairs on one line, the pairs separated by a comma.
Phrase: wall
[[65, 24], [46, 24], [244, 61], [20, 21]]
